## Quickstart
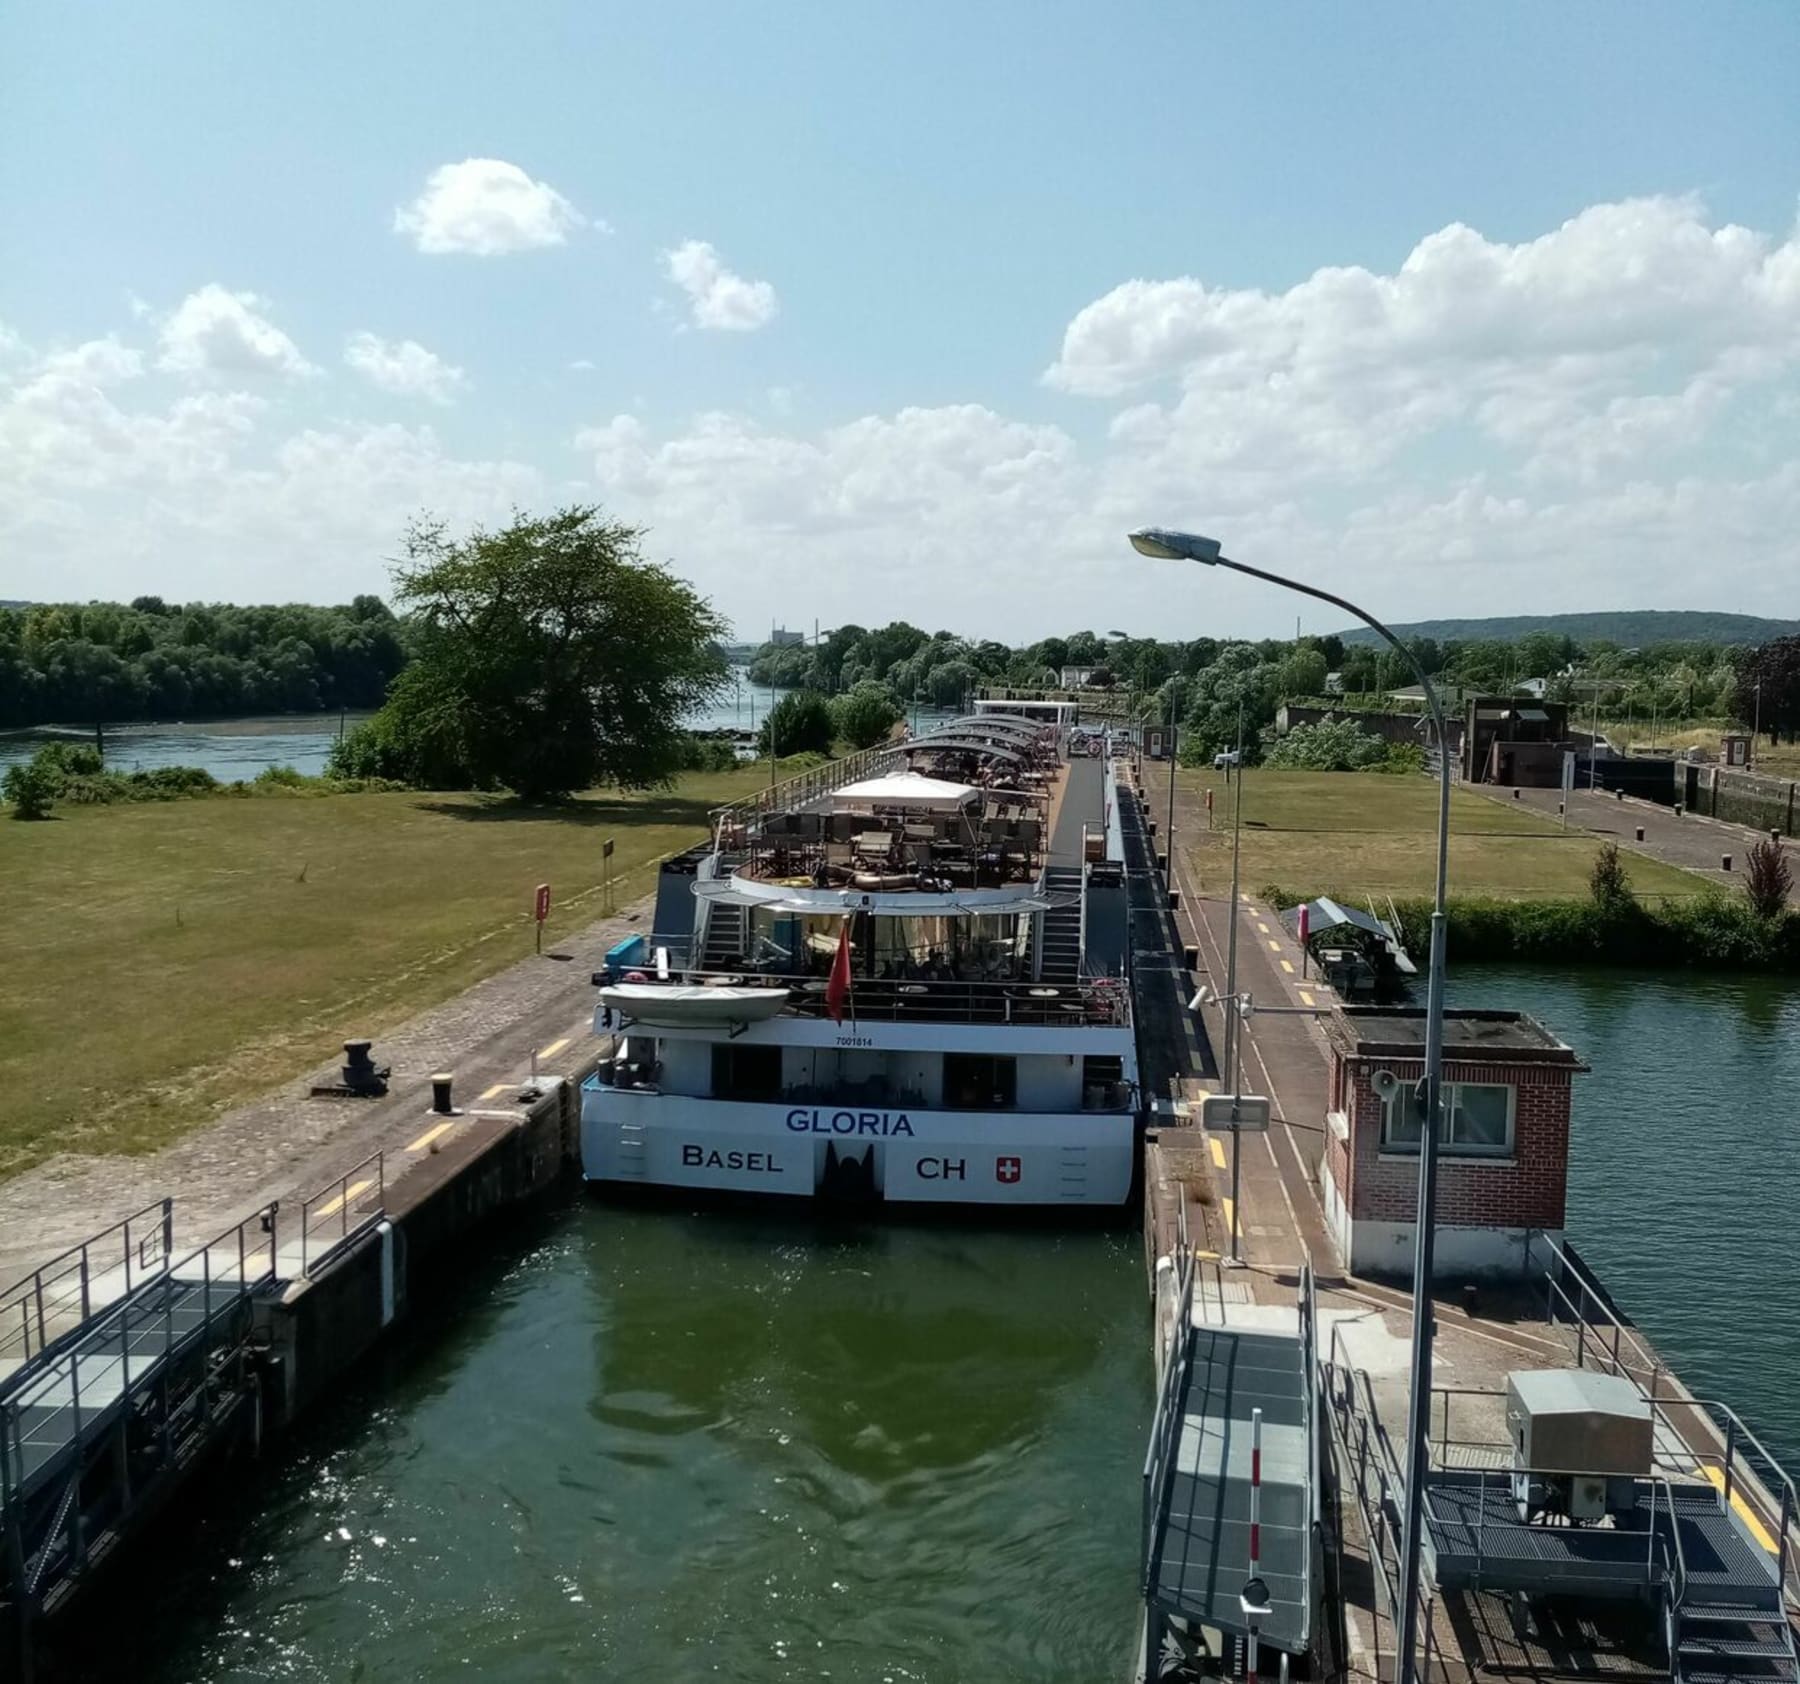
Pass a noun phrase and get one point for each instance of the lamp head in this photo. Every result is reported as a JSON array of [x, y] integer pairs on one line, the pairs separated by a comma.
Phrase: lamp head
[[1161, 544]]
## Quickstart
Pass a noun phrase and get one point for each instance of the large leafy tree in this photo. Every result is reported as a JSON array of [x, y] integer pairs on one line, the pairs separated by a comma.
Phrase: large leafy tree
[[800, 723], [1768, 688], [550, 657]]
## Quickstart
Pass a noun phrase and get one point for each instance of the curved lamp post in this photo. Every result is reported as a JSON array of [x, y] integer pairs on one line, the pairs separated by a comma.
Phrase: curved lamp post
[[1186, 546]]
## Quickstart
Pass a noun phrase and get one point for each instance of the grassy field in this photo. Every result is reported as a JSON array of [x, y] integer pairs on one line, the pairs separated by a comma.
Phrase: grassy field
[[158, 960], [1355, 834]]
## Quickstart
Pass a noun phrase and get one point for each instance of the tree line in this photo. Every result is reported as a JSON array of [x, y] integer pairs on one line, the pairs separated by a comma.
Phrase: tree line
[[1206, 684], [110, 663]]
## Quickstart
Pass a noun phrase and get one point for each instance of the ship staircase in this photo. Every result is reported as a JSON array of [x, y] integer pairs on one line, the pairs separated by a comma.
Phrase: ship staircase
[[120, 1366], [1058, 956], [727, 934], [1197, 1492]]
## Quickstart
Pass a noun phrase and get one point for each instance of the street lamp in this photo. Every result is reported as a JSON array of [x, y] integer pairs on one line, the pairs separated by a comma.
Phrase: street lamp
[[1183, 546]]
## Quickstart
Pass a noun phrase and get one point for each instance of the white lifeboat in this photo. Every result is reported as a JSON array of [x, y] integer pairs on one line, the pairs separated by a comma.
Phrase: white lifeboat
[[683, 1005]]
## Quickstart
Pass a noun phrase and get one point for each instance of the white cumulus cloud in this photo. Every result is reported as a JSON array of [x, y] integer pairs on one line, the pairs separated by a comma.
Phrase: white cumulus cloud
[[485, 207], [718, 297], [215, 332], [403, 366]]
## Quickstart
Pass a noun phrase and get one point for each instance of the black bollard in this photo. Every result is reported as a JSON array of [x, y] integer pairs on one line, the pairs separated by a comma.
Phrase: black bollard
[[1640, 833], [440, 1093]]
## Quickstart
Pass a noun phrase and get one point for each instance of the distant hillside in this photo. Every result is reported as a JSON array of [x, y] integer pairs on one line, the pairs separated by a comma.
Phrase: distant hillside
[[1631, 628]]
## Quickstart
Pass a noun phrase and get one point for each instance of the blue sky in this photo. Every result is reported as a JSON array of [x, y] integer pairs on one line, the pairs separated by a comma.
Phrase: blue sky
[[908, 373]]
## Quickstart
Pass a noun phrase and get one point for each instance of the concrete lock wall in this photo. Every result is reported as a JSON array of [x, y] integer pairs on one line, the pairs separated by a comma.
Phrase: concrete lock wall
[[326, 1322], [1747, 798]]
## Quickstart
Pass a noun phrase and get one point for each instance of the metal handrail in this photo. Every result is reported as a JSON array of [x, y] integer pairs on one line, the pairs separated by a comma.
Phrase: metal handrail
[[352, 1186], [1365, 1441], [195, 1267], [1165, 1427], [1590, 1291], [1736, 1435], [1104, 1000], [64, 1286], [804, 787]]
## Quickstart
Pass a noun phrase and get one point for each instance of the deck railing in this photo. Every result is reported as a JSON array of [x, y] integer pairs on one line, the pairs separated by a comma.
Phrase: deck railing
[[803, 789]]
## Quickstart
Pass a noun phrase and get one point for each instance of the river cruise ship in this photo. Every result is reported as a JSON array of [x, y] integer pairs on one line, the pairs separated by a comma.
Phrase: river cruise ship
[[901, 977]]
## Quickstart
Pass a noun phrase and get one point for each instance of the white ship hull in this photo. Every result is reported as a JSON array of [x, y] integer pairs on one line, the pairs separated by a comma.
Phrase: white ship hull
[[928, 1157]]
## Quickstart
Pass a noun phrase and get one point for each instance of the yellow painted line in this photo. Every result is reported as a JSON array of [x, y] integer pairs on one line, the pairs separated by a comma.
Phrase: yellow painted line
[[1244, 898], [1274, 947], [1231, 1221], [1746, 1514], [498, 1087], [1218, 1151], [1287, 966], [1262, 926], [430, 1135], [554, 1048], [355, 1191], [1307, 998]]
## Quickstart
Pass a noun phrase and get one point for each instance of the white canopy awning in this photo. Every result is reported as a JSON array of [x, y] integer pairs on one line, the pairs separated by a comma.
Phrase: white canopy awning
[[906, 789]]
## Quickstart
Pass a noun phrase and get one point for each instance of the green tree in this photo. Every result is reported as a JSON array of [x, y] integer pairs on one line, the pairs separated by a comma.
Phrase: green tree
[[800, 723], [865, 715], [1768, 688], [550, 655], [1333, 745]]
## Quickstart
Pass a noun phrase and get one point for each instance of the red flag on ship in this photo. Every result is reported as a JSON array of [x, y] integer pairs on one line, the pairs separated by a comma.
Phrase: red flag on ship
[[837, 990]]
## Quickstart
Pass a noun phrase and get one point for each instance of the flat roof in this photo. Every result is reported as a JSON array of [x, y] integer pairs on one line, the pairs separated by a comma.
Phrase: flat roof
[[1400, 1032]]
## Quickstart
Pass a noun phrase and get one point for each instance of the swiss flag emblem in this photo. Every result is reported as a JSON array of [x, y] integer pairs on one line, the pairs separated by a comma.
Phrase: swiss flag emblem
[[1008, 1170]]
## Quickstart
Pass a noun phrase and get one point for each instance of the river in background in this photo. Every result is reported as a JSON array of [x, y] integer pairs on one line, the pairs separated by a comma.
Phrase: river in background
[[752, 1444], [238, 749]]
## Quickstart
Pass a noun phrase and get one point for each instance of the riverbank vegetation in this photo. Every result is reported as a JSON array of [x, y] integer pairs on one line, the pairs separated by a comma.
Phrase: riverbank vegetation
[[159, 960], [108, 662], [1520, 886]]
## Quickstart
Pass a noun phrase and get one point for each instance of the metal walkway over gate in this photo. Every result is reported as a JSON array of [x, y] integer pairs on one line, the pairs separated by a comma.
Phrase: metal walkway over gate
[[1197, 1481], [119, 1365]]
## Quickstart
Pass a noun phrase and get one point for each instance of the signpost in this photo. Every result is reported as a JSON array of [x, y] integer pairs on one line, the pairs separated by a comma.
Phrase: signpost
[[1568, 783], [606, 853], [541, 911], [1236, 1114]]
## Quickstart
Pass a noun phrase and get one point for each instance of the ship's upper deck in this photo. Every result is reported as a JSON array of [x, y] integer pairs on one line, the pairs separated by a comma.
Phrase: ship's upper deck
[[970, 807]]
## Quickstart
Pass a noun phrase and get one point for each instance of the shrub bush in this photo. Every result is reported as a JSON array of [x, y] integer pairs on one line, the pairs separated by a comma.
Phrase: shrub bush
[[31, 788]]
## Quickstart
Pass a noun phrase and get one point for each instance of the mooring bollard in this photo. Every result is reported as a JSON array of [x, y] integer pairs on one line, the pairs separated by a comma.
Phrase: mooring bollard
[[1618, 795], [1515, 795], [1725, 862], [1174, 900], [1678, 809], [440, 1093], [1640, 833], [1162, 862], [1190, 958]]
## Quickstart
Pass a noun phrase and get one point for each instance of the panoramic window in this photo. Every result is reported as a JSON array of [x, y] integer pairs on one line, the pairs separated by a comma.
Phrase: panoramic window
[[979, 1082], [746, 1072], [1478, 1118]]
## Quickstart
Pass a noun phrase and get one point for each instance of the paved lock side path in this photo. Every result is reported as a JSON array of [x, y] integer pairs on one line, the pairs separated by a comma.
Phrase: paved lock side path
[[288, 1145]]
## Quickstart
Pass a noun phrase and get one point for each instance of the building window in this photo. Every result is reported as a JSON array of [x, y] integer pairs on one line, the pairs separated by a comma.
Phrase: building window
[[1478, 1119], [980, 1082]]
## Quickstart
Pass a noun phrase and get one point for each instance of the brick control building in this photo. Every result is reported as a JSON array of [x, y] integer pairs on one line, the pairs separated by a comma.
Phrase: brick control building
[[1503, 1155]]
